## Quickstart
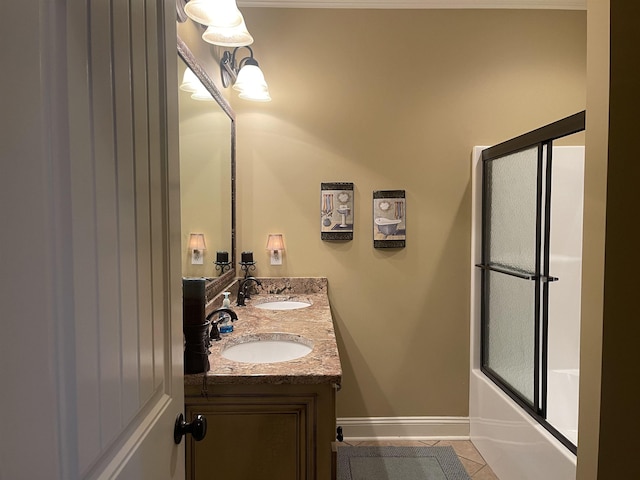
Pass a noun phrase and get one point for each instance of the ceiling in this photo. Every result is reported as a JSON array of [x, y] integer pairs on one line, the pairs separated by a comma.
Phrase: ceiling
[[520, 4]]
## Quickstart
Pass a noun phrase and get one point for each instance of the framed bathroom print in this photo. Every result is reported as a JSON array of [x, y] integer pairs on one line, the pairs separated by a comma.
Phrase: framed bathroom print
[[336, 211], [389, 219]]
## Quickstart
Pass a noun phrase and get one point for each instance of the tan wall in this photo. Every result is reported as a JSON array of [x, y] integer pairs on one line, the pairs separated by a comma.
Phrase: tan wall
[[394, 100], [594, 236]]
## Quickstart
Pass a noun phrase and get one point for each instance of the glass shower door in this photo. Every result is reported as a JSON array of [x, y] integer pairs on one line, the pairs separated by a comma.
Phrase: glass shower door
[[515, 292], [511, 278]]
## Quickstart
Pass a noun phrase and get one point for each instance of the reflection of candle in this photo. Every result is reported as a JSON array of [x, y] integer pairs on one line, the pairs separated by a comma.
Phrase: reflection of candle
[[222, 257], [247, 257]]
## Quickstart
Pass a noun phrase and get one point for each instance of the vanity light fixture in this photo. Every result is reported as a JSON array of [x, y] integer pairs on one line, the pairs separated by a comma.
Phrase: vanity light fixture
[[224, 22], [237, 36], [219, 13], [197, 246], [275, 244], [246, 75]]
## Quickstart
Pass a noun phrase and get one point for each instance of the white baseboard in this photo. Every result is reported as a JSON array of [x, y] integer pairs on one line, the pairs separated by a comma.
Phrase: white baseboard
[[404, 428]]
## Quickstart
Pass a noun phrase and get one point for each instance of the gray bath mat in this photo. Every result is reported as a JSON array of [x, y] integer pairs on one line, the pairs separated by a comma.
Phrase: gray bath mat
[[399, 463]]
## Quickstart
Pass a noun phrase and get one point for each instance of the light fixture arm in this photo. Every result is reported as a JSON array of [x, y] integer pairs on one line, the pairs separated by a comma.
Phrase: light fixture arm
[[229, 67], [228, 74]]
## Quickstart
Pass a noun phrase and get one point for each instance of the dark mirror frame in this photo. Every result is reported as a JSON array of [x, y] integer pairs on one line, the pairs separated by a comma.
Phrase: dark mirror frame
[[218, 284]]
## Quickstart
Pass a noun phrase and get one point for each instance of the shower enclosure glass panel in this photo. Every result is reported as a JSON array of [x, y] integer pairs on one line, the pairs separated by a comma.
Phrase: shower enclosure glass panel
[[511, 327], [510, 242], [516, 351], [512, 203]]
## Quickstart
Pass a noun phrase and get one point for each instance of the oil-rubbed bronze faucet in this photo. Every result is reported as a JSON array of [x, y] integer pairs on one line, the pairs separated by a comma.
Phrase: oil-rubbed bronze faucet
[[243, 290], [215, 332]]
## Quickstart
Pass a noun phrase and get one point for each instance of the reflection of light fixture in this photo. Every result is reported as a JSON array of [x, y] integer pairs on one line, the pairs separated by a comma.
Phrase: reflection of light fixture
[[197, 245], [191, 83], [202, 94], [275, 244], [246, 74]]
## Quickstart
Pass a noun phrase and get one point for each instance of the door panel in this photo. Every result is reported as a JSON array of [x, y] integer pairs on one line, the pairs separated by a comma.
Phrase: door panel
[[512, 207], [91, 300], [99, 173], [511, 234], [510, 328], [129, 354]]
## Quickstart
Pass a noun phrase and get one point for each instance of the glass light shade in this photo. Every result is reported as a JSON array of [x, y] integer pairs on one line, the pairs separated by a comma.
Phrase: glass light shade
[[275, 242], [251, 84], [202, 95], [196, 241], [257, 96], [190, 83], [250, 77], [237, 36], [220, 13]]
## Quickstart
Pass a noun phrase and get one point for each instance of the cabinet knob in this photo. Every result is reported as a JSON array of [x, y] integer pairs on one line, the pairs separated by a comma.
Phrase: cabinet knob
[[197, 428]]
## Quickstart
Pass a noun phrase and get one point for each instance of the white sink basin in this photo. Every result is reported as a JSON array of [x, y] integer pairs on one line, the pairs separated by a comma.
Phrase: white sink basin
[[283, 304], [267, 349]]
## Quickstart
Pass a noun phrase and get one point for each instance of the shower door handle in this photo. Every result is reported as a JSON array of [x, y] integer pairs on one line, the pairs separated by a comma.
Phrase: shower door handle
[[507, 271], [516, 273]]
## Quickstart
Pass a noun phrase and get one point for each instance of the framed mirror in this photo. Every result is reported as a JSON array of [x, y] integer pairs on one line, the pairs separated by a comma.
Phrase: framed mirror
[[207, 174]]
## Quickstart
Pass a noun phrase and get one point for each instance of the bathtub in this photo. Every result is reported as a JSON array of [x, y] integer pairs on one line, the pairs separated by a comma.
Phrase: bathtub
[[515, 445], [387, 226], [563, 391]]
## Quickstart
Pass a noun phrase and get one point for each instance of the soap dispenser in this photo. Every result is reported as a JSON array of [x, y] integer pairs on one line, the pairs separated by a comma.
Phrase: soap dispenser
[[224, 319], [226, 303]]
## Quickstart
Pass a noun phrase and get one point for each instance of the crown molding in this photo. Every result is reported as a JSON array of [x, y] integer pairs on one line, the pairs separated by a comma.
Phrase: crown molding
[[421, 4]]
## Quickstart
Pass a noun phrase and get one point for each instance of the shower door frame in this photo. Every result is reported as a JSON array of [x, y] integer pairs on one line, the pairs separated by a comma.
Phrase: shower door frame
[[542, 139]]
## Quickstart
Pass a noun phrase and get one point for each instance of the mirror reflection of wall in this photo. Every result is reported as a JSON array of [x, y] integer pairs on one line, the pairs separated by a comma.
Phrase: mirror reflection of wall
[[205, 178]]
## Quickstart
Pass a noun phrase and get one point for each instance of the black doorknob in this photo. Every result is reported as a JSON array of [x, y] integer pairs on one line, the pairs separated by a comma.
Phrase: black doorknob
[[197, 428]]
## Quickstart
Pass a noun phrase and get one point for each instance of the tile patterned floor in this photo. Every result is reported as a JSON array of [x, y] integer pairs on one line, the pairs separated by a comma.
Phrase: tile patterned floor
[[473, 462]]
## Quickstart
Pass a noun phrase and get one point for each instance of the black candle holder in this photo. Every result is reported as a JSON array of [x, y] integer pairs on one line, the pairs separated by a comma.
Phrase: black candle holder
[[223, 266], [247, 266]]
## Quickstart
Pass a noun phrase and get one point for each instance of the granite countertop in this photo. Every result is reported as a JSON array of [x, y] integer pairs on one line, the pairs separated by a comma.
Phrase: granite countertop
[[313, 323]]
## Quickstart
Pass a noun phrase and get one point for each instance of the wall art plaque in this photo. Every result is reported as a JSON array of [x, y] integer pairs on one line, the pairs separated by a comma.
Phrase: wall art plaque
[[336, 211], [389, 219]]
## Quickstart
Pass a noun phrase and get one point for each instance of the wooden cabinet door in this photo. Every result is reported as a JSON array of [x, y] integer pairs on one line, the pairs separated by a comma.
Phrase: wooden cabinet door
[[254, 437]]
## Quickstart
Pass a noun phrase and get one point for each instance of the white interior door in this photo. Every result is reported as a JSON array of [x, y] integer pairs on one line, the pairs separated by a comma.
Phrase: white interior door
[[126, 233], [92, 353]]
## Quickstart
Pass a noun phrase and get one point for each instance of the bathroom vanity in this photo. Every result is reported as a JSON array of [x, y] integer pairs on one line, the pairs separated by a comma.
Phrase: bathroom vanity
[[271, 420]]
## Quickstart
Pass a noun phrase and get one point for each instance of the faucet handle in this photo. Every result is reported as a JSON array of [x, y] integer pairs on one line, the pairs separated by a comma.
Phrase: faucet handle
[[240, 300], [215, 332]]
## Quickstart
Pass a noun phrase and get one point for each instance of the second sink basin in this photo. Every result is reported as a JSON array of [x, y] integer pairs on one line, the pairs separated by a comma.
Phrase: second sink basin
[[272, 348], [285, 303]]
